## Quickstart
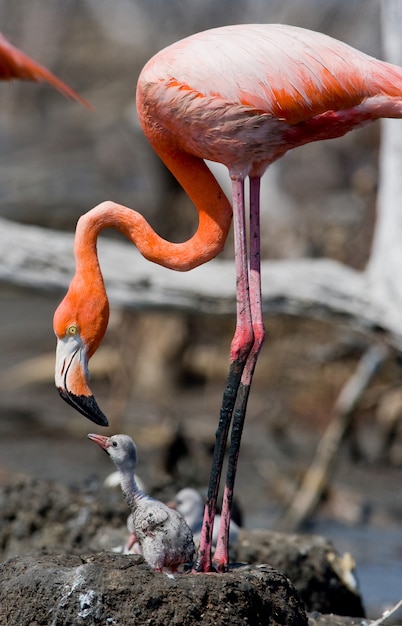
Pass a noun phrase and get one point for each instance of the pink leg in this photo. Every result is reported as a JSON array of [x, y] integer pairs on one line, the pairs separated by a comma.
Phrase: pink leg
[[221, 556], [133, 546], [240, 347]]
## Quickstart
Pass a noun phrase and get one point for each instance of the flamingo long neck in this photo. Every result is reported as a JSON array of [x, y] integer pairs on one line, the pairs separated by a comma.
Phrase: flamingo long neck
[[132, 493], [214, 211]]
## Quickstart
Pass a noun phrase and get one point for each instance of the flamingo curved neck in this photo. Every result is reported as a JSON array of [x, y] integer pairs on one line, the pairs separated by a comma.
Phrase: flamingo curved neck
[[214, 211]]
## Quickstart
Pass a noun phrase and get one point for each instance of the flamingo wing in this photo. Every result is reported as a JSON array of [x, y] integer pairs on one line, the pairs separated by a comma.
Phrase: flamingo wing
[[254, 83], [288, 72]]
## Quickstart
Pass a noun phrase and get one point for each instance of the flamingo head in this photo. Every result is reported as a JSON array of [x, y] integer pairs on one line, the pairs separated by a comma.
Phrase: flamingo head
[[79, 323], [121, 449], [188, 502]]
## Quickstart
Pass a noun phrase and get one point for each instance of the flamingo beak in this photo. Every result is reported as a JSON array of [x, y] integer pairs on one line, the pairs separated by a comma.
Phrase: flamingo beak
[[71, 378], [103, 442]]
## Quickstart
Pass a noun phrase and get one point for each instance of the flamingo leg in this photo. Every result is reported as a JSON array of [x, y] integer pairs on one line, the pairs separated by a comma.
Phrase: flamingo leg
[[221, 556], [241, 345]]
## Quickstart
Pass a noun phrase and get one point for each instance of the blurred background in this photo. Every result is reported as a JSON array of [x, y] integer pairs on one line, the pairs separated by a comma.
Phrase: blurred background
[[159, 375]]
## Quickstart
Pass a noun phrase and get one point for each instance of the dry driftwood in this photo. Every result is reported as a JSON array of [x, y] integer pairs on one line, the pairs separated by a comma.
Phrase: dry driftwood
[[319, 473], [42, 259]]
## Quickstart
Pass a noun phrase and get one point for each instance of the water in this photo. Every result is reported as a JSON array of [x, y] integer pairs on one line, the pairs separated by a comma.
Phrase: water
[[378, 555]]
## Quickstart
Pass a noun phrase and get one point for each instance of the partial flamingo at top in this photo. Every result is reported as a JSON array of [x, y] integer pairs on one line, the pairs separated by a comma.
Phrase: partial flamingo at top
[[15, 64]]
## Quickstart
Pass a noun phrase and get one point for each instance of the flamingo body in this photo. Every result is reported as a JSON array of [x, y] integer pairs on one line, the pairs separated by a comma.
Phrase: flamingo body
[[243, 96], [258, 90]]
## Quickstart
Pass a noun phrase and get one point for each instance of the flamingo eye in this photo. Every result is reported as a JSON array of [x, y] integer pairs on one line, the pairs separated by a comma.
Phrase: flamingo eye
[[114, 444], [72, 330]]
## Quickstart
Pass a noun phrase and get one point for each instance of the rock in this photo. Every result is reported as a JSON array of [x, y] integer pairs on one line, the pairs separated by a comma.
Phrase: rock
[[64, 522], [325, 581], [39, 515], [114, 589], [315, 619]]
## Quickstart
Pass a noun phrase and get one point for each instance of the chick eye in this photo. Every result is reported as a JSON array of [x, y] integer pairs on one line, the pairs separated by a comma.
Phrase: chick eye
[[72, 330], [114, 444]]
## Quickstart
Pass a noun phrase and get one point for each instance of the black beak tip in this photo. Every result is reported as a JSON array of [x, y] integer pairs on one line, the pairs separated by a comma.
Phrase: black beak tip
[[86, 405]]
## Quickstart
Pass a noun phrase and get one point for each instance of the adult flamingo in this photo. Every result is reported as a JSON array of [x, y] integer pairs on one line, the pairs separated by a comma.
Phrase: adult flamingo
[[15, 64], [241, 95]]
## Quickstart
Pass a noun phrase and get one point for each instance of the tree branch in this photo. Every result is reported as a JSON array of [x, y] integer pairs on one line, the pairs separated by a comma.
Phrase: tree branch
[[42, 259]]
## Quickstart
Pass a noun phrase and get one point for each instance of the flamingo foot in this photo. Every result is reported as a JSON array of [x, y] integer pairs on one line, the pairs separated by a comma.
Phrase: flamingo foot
[[203, 563], [222, 567]]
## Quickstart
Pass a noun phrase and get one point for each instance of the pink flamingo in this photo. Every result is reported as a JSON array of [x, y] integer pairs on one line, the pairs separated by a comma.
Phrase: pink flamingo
[[243, 96]]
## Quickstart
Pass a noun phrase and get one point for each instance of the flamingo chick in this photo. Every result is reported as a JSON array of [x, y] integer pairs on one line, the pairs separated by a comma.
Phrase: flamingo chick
[[166, 540], [242, 96], [189, 503]]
